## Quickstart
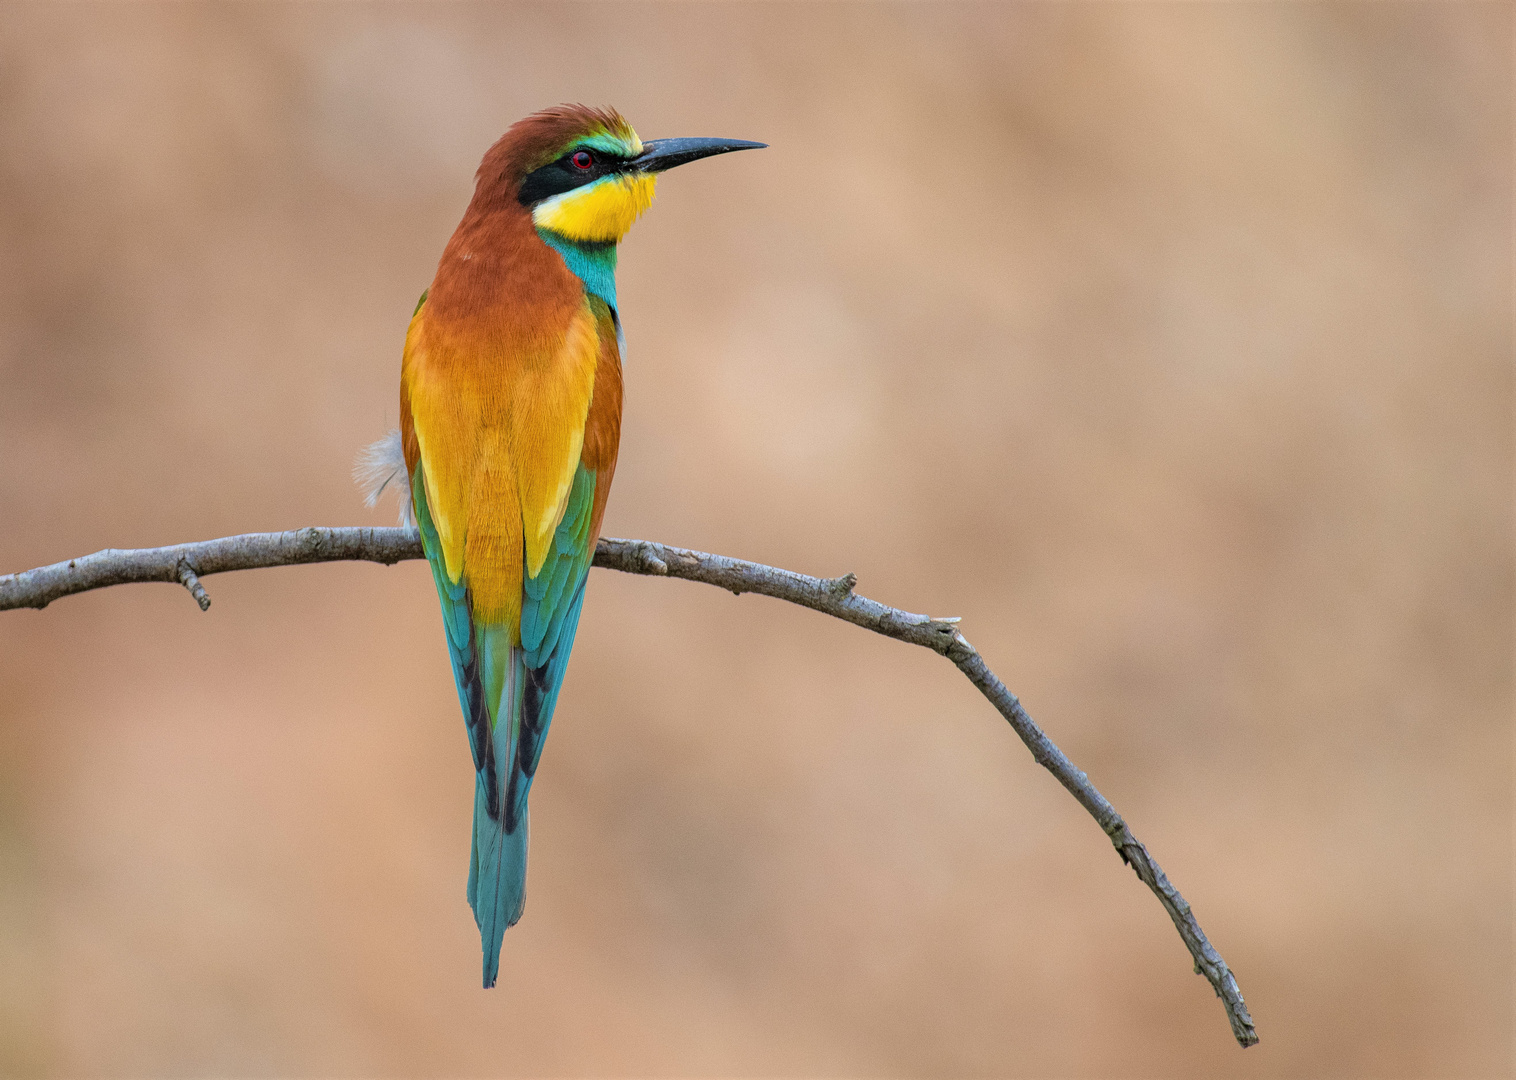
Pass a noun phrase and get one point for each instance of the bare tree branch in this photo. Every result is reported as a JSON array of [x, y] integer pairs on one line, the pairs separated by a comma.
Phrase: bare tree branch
[[187, 563]]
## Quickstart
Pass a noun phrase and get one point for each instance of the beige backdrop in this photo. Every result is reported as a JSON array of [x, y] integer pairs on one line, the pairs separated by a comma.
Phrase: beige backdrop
[[1169, 346]]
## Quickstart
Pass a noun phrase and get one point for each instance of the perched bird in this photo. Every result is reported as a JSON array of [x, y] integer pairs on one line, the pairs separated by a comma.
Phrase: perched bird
[[510, 418]]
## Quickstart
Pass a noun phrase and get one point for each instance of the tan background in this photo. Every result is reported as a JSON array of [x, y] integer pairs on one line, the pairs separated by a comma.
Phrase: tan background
[[1170, 346]]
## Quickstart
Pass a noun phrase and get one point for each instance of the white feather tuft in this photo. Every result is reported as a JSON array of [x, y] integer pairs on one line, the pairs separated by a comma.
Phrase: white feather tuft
[[379, 467]]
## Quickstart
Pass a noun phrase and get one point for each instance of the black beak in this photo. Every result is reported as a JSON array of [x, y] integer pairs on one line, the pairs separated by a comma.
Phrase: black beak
[[660, 154]]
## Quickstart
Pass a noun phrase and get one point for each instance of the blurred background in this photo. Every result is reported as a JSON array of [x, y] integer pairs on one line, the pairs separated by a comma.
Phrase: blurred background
[[1168, 345]]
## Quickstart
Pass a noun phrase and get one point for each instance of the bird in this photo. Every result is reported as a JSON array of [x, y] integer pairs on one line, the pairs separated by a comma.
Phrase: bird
[[510, 424]]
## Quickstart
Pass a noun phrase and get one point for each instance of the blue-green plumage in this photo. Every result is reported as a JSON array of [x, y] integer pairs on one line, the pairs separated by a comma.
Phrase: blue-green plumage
[[508, 694], [594, 264]]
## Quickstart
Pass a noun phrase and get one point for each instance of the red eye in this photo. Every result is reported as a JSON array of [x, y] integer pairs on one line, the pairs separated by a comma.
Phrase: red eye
[[582, 160]]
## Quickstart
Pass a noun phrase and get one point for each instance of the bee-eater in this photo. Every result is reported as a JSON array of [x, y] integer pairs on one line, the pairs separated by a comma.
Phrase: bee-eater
[[510, 418]]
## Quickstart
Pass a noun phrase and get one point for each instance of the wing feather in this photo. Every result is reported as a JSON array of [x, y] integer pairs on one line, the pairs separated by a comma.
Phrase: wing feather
[[511, 458]]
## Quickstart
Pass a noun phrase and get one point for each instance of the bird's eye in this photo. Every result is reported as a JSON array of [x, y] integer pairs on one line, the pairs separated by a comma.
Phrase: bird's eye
[[582, 160]]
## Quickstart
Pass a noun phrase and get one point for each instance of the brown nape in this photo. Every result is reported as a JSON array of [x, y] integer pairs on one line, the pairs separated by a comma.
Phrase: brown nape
[[531, 143]]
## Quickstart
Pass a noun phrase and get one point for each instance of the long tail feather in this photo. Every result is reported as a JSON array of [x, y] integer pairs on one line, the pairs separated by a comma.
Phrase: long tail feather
[[497, 867], [497, 879]]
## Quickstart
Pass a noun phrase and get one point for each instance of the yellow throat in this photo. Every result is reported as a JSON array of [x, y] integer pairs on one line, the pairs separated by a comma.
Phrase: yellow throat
[[598, 213]]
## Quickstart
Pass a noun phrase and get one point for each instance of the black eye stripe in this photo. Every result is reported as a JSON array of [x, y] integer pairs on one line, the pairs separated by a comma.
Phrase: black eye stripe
[[562, 175]]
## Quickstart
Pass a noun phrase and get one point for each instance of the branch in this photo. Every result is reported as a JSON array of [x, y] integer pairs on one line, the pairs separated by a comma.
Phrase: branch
[[187, 563]]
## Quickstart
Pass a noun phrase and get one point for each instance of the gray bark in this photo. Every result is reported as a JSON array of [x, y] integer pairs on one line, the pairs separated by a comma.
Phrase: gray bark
[[185, 564]]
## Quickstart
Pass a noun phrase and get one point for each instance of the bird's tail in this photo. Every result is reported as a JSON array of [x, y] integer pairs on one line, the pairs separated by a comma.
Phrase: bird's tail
[[496, 877]]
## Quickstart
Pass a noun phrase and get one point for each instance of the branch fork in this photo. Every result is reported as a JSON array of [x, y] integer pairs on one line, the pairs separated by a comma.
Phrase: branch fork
[[190, 581]]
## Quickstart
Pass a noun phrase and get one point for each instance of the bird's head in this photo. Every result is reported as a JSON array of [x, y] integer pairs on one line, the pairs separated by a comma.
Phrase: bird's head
[[583, 173]]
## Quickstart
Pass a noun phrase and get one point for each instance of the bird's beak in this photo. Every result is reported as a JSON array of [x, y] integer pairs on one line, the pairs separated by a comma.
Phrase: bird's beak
[[660, 154]]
